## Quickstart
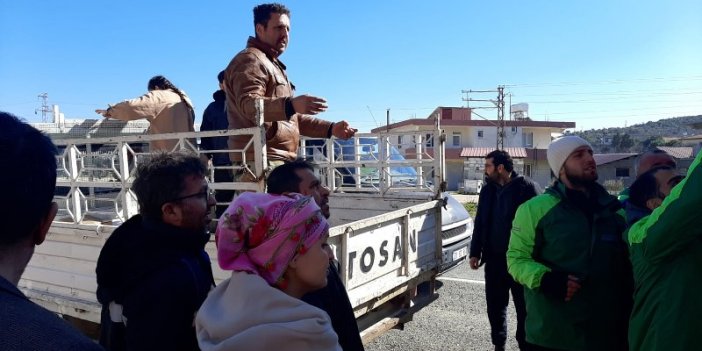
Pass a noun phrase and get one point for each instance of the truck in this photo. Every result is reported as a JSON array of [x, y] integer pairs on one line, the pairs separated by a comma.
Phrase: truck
[[392, 239]]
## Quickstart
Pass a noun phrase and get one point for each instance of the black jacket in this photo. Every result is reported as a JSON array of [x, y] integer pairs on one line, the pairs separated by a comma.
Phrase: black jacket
[[492, 230], [334, 300], [26, 326], [215, 118], [160, 274]]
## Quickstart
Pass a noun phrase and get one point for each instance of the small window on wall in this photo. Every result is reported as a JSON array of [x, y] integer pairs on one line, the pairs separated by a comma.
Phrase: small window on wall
[[528, 139], [480, 134], [622, 172], [527, 170], [456, 139], [429, 141]]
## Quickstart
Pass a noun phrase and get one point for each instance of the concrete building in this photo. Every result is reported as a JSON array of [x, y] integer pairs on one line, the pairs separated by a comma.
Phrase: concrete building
[[616, 171], [469, 140]]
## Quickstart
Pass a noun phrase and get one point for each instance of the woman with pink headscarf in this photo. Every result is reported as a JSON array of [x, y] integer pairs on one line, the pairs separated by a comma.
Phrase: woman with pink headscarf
[[273, 245]]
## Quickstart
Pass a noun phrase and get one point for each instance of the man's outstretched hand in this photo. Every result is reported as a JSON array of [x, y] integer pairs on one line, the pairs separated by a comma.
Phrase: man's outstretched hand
[[104, 113], [309, 105], [342, 130]]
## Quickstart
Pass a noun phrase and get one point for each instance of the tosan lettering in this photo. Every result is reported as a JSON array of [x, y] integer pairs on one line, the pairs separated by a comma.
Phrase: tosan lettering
[[383, 253], [368, 252], [367, 259]]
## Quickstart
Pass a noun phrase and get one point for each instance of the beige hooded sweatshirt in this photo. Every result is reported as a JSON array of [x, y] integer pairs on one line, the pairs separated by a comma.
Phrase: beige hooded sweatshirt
[[245, 313]]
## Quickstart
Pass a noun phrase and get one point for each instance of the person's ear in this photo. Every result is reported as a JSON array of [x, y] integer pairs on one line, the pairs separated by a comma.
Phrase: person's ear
[[653, 203], [259, 28], [40, 234], [294, 262], [170, 213]]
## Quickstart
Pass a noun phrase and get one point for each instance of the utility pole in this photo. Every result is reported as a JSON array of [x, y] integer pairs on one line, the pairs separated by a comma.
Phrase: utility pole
[[500, 117], [44, 109], [387, 120], [499, 104]]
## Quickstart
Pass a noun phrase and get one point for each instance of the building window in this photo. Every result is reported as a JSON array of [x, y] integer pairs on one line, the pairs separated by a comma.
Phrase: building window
[[514, 129], [429, 141], [528, 139], [456, 139], [622, 172], [480, 134], [527, 170]]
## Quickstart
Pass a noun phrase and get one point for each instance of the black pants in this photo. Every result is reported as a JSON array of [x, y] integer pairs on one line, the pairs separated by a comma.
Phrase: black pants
[[498, 284], [223, 197]]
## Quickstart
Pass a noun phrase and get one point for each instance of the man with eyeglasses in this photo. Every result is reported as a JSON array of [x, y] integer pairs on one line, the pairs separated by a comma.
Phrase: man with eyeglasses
[[665, 248], [153, 272]]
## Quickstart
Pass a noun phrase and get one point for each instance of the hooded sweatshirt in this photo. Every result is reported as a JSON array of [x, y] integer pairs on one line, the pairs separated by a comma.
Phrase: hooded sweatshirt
[[246, 313]]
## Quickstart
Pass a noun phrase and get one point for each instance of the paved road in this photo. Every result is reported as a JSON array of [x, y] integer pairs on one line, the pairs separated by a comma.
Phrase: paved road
[[455, 321]]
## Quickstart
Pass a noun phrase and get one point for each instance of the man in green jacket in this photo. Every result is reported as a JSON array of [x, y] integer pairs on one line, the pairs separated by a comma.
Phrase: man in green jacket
[[665, 245], [567, 250]]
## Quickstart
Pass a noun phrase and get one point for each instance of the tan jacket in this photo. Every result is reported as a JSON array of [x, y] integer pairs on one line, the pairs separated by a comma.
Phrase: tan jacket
[[164, 109], [255, 73]]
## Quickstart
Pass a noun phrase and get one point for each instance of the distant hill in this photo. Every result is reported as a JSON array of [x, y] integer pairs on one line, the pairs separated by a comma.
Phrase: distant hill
[[640, 137]]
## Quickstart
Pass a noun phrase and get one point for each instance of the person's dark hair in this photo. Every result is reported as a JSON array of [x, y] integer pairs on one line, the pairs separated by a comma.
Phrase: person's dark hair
[[262, 13], [220, 77], [283, 178], [645, 187], [162, 178], [501, 157], [29, 178], [162, 83]]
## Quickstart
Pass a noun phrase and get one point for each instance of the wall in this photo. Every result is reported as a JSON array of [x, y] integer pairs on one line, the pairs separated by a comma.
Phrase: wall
[[542, 137], [607, 173], [454, 174]]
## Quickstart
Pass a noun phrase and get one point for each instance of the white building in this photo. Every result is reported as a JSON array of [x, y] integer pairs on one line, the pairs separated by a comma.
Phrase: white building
[[469, 140]]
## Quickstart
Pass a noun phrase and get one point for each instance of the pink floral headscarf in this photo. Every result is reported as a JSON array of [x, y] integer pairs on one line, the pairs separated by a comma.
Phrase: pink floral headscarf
[[261, 233]]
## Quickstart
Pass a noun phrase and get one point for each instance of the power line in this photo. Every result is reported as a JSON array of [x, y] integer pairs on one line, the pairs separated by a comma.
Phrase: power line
[[44, 109], [613, 81]]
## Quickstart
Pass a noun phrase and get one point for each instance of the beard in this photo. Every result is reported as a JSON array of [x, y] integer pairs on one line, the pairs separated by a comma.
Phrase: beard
[[492, 177], [584, 178]]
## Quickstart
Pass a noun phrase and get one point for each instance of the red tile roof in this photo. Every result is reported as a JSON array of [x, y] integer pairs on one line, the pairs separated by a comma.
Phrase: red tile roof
[[603, 159], [677, 152], [515, 152]]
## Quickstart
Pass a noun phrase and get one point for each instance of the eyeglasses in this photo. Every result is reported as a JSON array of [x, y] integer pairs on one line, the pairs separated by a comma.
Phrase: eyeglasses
[[203, 194]]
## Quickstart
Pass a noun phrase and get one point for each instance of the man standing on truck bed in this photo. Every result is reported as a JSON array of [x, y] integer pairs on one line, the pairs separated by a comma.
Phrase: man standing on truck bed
[[215, 118], [153, 272], [298, 177], [256, 72], [26, 212], [568, 251], [499, 199]]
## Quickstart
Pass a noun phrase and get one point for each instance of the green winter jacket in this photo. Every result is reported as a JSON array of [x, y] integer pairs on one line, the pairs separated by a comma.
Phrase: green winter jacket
[[666, 252], [554, 233]]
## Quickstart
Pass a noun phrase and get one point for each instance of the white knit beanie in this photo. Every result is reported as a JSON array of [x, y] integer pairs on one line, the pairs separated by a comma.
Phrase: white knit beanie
[[560, 149]]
